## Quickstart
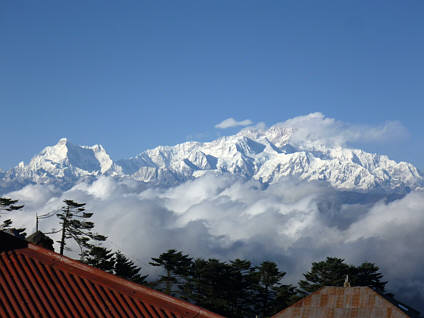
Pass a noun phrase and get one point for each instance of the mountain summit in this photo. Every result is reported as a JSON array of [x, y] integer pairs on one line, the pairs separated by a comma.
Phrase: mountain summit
[[264, 155], [63, 164]]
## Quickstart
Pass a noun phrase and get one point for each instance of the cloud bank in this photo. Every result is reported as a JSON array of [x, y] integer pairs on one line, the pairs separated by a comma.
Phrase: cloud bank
[[317, 128], [291, 222], [231, 122]]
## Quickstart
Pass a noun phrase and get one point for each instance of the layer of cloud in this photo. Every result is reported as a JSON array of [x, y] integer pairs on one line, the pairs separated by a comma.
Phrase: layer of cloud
[[231, 122], [292, 223], [317, 128]]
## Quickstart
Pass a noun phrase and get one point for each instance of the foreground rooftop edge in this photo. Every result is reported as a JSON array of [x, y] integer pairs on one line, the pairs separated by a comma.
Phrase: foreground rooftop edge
[[36, 282]]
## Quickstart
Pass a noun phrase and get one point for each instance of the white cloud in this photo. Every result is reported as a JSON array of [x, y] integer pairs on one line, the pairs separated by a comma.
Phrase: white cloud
[[291, 222], [318, 129], [231, 122], [315, 130]]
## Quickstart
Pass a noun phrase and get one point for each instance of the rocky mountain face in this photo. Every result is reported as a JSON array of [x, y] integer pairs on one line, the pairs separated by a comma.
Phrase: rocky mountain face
[[263, 155]]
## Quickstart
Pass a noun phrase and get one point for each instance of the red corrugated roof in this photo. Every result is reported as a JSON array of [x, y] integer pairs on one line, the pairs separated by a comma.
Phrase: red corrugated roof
[[35, 282], [338, 302]]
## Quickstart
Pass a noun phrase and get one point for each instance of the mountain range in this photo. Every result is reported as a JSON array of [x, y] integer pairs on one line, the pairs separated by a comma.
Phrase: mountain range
[[266, 155]]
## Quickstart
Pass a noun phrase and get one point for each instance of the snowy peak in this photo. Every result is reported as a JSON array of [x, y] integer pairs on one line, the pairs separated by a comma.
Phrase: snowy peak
[[54, 154], [273, 154], [254, 153], [65, 155], [276, 135], [62, 164]]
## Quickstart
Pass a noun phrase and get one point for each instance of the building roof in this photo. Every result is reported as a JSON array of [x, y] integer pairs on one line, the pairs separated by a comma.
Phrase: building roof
[[40, 239], [335, 302], [36, 282]]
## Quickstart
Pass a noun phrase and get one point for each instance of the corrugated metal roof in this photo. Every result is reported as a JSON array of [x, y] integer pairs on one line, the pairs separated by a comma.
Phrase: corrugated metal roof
[[338, 302], [35, 282]]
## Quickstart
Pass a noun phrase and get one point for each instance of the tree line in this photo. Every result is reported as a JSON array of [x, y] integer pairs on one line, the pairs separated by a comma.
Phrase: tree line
[[234, 288], [238, 288]]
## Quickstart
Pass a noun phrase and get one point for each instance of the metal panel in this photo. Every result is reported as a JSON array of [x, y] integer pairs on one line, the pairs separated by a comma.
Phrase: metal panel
[[35, 282], [338, 302]]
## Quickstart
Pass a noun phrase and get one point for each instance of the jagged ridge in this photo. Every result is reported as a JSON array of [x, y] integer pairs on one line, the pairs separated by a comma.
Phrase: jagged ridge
[[264, 155]]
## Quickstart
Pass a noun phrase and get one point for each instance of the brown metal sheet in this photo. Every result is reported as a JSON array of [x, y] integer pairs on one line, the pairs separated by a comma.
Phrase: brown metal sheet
[[35, 282], [341, 302]]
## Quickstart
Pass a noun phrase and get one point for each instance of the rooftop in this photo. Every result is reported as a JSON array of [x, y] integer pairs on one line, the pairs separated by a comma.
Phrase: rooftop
[[38, 282], [335, 302]]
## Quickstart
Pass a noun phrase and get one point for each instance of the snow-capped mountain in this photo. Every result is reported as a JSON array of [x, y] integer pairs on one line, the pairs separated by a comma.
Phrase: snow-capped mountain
[[62, 164], [263, 155]]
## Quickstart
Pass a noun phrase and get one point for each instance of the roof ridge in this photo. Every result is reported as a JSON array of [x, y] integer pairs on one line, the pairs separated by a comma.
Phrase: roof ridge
[[118, 282], [410, 312], [73, 273]]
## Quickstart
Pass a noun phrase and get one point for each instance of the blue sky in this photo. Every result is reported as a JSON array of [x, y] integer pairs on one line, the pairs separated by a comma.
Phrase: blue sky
[[131, 75]]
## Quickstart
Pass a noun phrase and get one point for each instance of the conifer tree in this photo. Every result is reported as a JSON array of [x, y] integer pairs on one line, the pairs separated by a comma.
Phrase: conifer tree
[[210, 285], [242, 277], [125, 268], [192, 286], [8, 205], [367, 274], [100, 257], [234, 289], [115, 263], [224, 288], [75, 226], [333, 271], [176, 266], [286, 296], [268, 283]]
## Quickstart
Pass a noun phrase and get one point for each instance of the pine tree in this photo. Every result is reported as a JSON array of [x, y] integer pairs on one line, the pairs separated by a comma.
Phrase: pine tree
[[100, 257], [176, 266], [115, 263], [8, 205], [272, 295], [367, 274], [333, 271], [269, 277], [74, 226], [192, 286], [234, 289], [242, 286], [210, 285], [224, 288], [125, 268], [285, 297]]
